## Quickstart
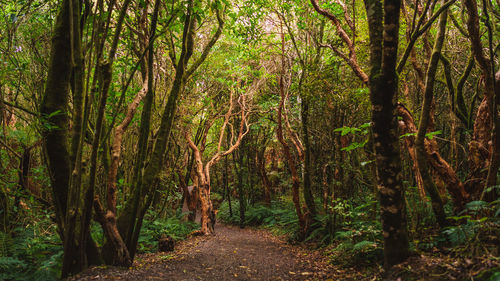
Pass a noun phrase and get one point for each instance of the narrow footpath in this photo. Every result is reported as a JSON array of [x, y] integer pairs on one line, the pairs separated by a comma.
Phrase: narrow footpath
[[232, 254]]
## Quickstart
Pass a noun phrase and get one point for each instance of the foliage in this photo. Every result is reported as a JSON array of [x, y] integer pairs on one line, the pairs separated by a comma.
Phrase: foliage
[[31, 253], [280, 216], [224, 215], [472, 231], [361, 130], [152, 231]]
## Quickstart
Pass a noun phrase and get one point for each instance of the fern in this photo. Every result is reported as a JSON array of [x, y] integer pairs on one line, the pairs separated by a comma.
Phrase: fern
[[152, 231], [11, 269], [5, 244], [363, 246]]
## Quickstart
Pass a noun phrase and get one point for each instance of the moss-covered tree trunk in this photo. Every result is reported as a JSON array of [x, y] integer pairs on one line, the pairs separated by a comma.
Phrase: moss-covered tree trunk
[[383, 23], [425, 119], [130, 220], [55, 131]]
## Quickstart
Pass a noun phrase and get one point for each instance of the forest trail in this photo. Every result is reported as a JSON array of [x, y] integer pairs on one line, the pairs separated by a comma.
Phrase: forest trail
[[232, 254]]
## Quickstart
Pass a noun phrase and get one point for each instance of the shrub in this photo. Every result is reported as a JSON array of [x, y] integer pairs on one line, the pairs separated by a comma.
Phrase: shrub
[[152, 231]]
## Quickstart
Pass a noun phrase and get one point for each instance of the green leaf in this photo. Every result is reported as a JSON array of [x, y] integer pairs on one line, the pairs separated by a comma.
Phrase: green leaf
[[431, 135], [407, 135]]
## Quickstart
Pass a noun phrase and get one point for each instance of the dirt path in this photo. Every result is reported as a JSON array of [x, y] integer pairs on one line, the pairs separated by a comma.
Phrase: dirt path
[[232, 254]]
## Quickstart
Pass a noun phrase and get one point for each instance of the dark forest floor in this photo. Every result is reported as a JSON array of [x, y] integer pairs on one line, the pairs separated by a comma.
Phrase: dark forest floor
[[252, 254], [231, 254]]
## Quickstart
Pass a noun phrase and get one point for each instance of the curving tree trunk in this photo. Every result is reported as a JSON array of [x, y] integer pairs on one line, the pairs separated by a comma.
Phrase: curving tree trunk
[[484, 150], [425, 122], [130, 221], [203, 171], [286, 148]]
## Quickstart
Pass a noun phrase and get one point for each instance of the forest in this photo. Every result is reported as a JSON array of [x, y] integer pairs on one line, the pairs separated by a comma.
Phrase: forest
[[305, 140]]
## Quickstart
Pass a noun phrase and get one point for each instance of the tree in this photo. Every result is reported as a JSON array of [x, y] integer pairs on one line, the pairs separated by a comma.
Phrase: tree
[[203, 170], [383, 23]]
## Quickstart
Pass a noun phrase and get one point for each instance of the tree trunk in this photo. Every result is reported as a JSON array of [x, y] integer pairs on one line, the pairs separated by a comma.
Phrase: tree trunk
[[485, 140], [261, 163], [55, 132], [453, 184], [241, 191], [425, 120], [383, 29], [144, 181], [119, 254], [286, 149], [308, 195]]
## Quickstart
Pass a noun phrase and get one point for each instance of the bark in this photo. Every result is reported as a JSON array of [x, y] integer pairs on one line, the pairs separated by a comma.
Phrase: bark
[[286, 148], [446, 173], [407, 127], [384, 27], [144, 184], [54, 112], [457, 103], [308, 195], [130, 219], [203, 171], [119, 255], [116, 147], [488, 121], [351, 58], [425, 122], [55, 132], [261, 163]]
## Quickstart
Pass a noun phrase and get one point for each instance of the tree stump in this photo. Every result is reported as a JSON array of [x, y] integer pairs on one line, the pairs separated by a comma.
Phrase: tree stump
[[166, 244]]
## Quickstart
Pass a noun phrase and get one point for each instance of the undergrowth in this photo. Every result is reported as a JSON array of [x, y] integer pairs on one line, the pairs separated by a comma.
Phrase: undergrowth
[[33, 252], [279, 217], [348, 231], [153, 230], [473, 232]]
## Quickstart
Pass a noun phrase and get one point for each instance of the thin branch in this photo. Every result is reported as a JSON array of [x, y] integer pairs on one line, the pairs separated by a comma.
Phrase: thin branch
[[208, 47], [419, 31]]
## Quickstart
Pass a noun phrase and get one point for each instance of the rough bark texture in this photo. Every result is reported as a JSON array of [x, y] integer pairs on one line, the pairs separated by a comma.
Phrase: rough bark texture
[[383, 29], [425, 123], [446, 173], [55, 132], [485, 131], [119, 255], [286, 148], [308, 195], [116, 147], [203, 171]]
